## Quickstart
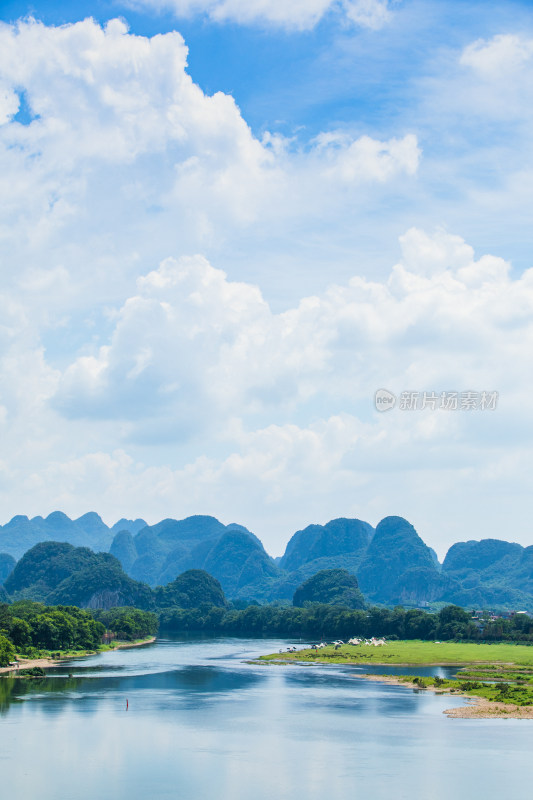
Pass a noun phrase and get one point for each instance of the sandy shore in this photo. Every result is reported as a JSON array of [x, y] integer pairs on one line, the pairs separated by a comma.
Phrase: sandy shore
[[30, 663], [480, 708], [476, 708]]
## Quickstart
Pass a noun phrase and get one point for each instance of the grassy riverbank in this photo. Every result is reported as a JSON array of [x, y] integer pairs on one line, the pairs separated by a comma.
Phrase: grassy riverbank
[[48, 658], [485, 701], [515, 691], [414, 652], [497, 677]]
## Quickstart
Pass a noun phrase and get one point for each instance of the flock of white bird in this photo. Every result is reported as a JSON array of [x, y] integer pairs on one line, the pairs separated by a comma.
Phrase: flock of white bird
[[373, 642]]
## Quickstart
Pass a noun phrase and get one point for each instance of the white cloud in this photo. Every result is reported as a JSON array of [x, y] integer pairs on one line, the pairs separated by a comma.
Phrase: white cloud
[[126, 159], [367, 13], [114, 97], [9, 104], [297, 14], [266, 418], [494, 79], [172, 389], [282, 477], [427, 254], [195, 346], [500, 57], [350, 160]]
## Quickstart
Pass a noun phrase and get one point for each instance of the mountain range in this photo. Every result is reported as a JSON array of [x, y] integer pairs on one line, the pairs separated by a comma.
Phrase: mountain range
[[392, 563]]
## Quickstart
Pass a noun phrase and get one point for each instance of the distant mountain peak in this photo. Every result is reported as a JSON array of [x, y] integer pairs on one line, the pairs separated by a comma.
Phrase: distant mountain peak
[[131, 525], [18, 518], [90, 516], [57, 517], [338, 537]]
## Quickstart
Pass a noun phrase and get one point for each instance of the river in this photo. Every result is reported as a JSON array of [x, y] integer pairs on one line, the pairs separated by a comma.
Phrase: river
[[189, 719]]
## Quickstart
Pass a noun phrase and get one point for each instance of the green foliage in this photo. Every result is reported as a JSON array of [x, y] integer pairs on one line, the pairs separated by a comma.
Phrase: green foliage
[[455, 623], [510, 694], [123, 548], [418, 625], [392, 564], [7, 564], [7, 651], [233, 555], [46, 564], [470, 686], [33, 672], [395, 549], [193, 589], [128, 623], [331, 586], [322, 621], [340, 537], [102, 585], [490, 572], [20, 633], [30, 626], [60, 574]]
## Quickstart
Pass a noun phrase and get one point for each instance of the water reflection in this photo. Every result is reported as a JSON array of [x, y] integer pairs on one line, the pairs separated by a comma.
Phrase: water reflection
[[201, 722], [184, 683]]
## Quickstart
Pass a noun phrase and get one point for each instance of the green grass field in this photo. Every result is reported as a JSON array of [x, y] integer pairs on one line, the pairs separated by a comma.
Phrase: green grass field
[[511, 692], [415, 652], [501, 671]]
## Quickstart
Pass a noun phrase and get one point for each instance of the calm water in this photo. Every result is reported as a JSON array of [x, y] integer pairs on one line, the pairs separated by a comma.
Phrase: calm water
[[202, 724]]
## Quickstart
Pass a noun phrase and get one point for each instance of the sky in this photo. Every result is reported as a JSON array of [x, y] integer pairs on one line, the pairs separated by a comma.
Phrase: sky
[[226, 224]]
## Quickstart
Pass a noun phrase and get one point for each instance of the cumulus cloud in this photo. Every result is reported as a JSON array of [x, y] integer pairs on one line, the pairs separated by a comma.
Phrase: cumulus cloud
[[192, 344], [298, 14], [267, 417], [118, 130], [166, 385], [104, 95], [123, 157]]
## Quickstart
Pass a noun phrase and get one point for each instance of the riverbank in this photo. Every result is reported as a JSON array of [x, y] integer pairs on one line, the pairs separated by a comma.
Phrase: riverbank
[[496, 678], [47, 662], [119, 645], [414, 652], [476, 708]]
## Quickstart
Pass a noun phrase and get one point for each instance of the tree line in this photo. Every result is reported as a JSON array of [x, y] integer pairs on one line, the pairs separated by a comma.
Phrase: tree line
[[321, 621], [128, 623], [27, 627]]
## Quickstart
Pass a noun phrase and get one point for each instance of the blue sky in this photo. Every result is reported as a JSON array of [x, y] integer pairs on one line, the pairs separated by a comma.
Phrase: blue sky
[[225, 224]]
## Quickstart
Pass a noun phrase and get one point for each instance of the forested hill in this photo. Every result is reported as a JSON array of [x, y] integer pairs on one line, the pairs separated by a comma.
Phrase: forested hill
[[59, 574], [392, 563]]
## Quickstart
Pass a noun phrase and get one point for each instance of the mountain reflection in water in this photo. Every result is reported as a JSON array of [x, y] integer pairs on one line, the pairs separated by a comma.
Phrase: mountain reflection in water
[[190, 718]]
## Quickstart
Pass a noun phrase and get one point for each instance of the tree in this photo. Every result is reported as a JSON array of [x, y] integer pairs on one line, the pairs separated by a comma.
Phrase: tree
[[191, 589], [7, 651], [20, 632], [331, 586], [455, 623]]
